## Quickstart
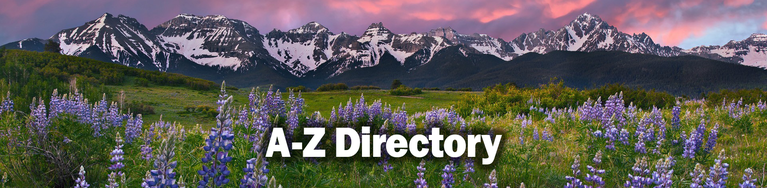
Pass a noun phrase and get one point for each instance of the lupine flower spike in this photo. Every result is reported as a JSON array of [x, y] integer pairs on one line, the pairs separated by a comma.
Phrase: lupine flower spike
[[80, 181], [421, 181], [492, 180]]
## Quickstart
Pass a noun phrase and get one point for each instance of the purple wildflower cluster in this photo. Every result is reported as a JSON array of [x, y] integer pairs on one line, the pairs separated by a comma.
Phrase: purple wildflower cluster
[[675, 120], [447, 175], [220, 139], [717, 174], [7, 104], [421, 181], [594, 175], [734, 109], [133, 128], [80, 181], [573, 181], [492, 180], [640, 177], [694, 142], [100, 115], [698, 175], [163, 175], [117, 156], [748, 182], [468, 166], [663, 172]]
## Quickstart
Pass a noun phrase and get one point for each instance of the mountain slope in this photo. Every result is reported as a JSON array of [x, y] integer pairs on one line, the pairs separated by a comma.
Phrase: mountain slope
[[215, 47], [121, 39]]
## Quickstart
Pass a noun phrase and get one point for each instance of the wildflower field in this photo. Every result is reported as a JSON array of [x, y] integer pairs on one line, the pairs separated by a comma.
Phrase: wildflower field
[[67, 140], [63, 126]]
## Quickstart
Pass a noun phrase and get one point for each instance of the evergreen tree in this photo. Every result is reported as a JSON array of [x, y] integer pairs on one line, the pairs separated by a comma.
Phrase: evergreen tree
[[395, 84], [52, 47]]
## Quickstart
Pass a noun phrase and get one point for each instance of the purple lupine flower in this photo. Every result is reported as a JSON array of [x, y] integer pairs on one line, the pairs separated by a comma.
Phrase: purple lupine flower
[[349, 112], [447, 175], [399, 120], [292, 122], [55, 105], [547, 136], [694, 142], [574, 182], [375, 110], [597, 133], [217, 147], [114, 118], [254, 175], [163, 175], [700, 131], [712, 136], [80, 181], [747, 181], [112, 180], [639, 146], [639, 177], [663, 172], [218, 144], [117, 156], [468, 165], [535, 134], [682, 138], [39, 119], [492, 180], [698, 174], [624, 137], [477, 111], [333, 117], [411, 128], [658, 145], [717, 176], [7, 104], [133, 128], [594, 172], [675, 120], [421, 181]]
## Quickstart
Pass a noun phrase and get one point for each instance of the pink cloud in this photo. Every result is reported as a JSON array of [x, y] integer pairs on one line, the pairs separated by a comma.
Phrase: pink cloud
[[16, 9], [485, 16], [738, 3], [671, 23], [429, 16], [559, 8]]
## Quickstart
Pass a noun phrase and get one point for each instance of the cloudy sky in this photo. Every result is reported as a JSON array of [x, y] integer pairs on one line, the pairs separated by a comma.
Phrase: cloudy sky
[[684, 23]]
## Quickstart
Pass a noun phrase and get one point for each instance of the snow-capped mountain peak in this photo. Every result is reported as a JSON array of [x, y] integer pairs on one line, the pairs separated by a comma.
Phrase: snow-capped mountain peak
[[212, 40], [230, 44], [120, 39], [310, 28], [758, 37]]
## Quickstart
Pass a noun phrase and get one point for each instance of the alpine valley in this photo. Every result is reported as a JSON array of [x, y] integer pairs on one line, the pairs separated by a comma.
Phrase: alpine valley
[[584, 53]]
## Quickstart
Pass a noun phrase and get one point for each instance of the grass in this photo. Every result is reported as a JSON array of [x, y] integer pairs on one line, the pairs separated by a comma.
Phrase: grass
[[170, 101], [537, 163]]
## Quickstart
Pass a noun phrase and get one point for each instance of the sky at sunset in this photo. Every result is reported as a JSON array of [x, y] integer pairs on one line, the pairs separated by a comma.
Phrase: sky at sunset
[[684, 23]]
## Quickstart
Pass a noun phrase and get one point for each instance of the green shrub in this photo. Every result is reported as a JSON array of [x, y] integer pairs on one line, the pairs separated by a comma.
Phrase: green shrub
[[405, 91], [140, 107], [299, 88], [365, 88], [333, 87], [141, 82]]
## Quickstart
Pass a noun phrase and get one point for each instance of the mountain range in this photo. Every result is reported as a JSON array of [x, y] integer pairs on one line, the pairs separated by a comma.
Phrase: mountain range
[[216, 48]]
